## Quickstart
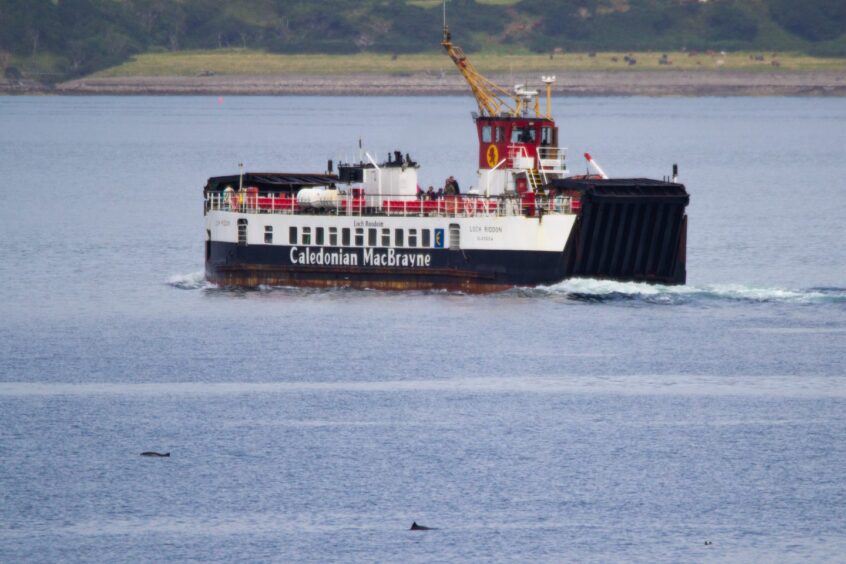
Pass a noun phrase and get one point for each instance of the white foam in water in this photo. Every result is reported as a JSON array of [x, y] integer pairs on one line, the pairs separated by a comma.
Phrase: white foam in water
[[611, 288], [588, 287], [192, 281]]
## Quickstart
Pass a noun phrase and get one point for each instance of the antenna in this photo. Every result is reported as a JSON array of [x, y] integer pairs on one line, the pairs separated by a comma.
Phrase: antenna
[[446, 29]]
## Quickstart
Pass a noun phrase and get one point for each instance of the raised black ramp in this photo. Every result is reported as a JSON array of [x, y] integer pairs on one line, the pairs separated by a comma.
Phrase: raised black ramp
[[631, 229]]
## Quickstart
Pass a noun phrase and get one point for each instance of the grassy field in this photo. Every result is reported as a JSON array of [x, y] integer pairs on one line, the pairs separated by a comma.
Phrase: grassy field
[[249, 62], [434, 3]]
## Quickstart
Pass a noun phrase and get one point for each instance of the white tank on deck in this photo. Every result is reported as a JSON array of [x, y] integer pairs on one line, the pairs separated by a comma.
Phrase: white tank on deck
[[328, 198], [309, 197]]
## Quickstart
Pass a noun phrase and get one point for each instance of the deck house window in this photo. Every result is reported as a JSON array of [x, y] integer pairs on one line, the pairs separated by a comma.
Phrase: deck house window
[[412, 237], [386, 237], [426, 238], [398, 238], [242, 231], [318, 236], [292, 235], [345, 236], [333, 236], [306, 235], [486, 134], [500, 134], [371, 238], [268, 234], [359, 236]]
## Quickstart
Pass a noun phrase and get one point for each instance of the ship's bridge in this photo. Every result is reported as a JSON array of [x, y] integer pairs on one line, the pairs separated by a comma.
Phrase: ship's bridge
[[504, 139], [518, 154]]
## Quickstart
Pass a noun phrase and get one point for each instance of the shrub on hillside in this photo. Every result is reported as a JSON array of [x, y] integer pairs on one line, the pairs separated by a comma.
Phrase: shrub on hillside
[[814, 20]]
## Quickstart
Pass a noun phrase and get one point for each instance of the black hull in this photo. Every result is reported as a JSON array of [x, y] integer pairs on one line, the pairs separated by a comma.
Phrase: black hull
[[230, 264]]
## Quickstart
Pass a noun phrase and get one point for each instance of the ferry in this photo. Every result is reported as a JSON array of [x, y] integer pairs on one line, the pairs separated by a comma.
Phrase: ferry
[[529, 222]]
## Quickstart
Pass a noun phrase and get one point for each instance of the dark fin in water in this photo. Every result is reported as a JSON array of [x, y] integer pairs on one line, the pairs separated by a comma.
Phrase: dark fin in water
[[416, 527], [158, 454]]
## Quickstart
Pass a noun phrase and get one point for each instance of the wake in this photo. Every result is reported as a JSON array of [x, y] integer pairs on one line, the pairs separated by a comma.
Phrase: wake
[[609, 290], [192, 281], [587, 290]]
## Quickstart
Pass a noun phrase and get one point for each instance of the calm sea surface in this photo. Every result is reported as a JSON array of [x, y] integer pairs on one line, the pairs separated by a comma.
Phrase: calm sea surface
[[587, 421]]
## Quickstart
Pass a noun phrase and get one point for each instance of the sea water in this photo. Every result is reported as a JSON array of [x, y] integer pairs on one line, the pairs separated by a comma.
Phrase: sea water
[[585, 421]]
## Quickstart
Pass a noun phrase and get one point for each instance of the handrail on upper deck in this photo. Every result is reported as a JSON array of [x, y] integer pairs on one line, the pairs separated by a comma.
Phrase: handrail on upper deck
[[404, 206]]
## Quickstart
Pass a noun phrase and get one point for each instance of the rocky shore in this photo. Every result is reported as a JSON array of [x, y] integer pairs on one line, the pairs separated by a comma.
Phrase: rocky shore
[[581, 83]]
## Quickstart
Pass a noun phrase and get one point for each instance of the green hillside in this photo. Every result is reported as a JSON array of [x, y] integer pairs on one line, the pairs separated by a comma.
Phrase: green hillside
[[57, 39]]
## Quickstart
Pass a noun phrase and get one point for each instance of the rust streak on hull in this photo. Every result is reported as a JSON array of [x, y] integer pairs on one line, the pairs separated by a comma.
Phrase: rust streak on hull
[[440, 279]]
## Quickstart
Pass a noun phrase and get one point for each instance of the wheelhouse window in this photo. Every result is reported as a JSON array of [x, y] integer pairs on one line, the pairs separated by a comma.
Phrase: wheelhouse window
[[525, 134], [546, 136], [268, 234], [306, 236], [242, 231], [386, 237], [398, 237], [500, 134], [372, 240], [333, 236], [359, 236], [425, 238], [292, 235], [318, 236], [412, 237], [345, 236], [486, 134]]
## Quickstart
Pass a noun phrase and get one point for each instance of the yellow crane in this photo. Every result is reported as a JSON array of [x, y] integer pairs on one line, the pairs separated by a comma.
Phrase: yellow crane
[[493, 99]]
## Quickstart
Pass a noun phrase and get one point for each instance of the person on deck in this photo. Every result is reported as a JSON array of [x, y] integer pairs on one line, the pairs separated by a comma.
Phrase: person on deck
[[451, 187]]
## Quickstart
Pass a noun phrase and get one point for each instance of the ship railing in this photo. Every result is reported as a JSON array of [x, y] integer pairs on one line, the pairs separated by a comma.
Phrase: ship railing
[[552, 159], [518, 157], [469, 205]]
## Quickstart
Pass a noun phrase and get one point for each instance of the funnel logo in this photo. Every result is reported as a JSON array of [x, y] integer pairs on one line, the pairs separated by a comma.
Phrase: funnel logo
[[439, 238], [493, 155]]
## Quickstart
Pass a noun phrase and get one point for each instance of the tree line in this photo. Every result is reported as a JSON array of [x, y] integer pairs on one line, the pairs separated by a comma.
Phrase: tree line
[[77, 37]]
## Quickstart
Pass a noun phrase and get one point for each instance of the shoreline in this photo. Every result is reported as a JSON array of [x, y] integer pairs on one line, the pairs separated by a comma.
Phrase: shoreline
[[574, 83]]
